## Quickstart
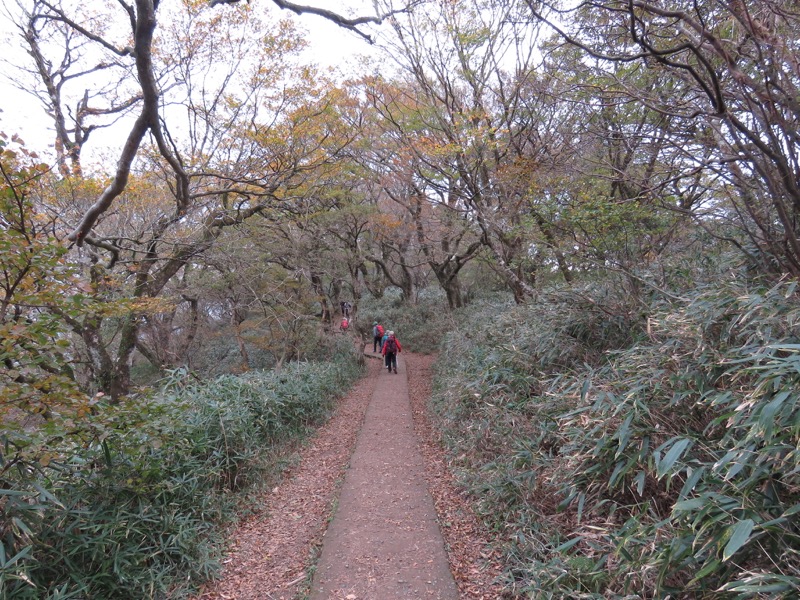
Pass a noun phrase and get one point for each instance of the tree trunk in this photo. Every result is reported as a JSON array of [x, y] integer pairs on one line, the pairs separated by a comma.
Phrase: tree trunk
[[182, 350], [448, 280], [322, 297], [453, 290], [242, 348], [101, 366]]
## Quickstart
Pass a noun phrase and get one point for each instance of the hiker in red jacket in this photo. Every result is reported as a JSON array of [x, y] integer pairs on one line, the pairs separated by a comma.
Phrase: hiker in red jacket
[[377, 336], [390, 349]]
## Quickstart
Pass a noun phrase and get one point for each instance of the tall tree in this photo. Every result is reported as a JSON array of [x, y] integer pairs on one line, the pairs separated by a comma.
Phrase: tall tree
[[488, 127], [247, 144], [729, 71], [622, 193]]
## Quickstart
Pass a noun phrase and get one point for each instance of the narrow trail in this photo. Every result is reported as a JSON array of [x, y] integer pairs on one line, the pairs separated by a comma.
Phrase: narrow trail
[[378, 466], [384, 541]]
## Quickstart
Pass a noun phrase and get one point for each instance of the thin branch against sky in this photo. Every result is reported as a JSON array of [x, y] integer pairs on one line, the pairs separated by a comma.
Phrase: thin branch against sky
[[329, 46]]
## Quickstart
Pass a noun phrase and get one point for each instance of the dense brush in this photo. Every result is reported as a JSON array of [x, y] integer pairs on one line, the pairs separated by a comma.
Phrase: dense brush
[[132, 502], [618, 455]]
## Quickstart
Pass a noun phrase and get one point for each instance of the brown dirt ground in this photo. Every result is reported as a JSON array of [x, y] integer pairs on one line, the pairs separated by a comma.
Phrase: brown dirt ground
[[273, 553], [475, 566], [384, 541]]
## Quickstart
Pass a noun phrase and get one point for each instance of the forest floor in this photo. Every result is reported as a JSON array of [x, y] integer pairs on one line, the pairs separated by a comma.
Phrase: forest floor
[[369, 511]]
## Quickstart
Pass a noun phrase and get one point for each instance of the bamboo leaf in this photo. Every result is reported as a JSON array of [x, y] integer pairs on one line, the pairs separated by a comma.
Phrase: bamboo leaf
[[624, 435], [569, 544], [581, 501], [739, 537], [691, 482], [688, 505], [710, 567], [639, 480], [672, 456]]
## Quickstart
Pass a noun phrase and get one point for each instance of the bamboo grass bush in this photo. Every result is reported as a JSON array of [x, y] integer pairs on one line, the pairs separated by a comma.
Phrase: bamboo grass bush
[[133, 502], [664, 463]]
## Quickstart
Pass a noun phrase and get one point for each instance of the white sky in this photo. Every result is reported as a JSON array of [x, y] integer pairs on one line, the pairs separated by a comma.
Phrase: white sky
[[21, 113]]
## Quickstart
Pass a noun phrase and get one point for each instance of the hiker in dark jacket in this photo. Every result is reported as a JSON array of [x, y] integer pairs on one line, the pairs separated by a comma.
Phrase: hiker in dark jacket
[[390, 349]]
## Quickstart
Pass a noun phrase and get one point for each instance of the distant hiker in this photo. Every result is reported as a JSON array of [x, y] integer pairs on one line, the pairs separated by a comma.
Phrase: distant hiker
[[377, 334], [383, 340], [344, 325], [346, 306], [390, 349]]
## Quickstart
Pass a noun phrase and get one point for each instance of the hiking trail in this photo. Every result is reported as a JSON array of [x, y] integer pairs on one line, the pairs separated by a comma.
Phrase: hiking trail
[[371, 490]]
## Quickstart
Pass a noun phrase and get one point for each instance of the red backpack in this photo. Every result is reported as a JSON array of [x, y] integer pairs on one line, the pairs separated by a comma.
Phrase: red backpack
[[380, 330], [391, 345]]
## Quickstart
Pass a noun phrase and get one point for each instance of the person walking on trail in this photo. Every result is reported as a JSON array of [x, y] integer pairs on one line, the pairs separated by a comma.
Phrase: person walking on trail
[[383, 340], [344, 325], [346, 306], [377, 335], [390, 349]]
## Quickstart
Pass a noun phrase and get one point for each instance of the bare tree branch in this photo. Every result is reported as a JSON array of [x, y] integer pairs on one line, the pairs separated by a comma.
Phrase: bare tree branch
[[334, 17], [59, 15]]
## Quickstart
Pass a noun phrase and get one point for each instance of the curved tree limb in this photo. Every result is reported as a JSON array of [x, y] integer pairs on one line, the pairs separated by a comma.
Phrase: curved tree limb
[[117, 185], [147, 120], [334, 17], [59, 15]]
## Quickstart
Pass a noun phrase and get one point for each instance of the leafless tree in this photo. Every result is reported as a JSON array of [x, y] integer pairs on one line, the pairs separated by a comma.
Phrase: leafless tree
[[59, 57]]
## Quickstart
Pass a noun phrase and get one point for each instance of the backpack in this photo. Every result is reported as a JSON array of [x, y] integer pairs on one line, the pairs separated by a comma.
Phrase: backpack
[[391, 345], [380, 330]]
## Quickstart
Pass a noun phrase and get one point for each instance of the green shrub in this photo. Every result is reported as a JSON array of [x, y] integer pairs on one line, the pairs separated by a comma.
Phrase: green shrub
[[692, 439], [132, 503], [619, 455]]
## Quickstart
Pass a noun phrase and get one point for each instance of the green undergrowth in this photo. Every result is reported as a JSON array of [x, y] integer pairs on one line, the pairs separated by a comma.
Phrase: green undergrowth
[[627, 453], [133, 501], [420, 327]]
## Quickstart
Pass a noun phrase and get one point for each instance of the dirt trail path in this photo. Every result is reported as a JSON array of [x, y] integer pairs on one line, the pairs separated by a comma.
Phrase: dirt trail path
[[384, 541], [274, 552]]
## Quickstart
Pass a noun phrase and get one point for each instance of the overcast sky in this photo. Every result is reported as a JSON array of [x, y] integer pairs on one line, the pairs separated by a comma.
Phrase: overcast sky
[[330, 46]]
